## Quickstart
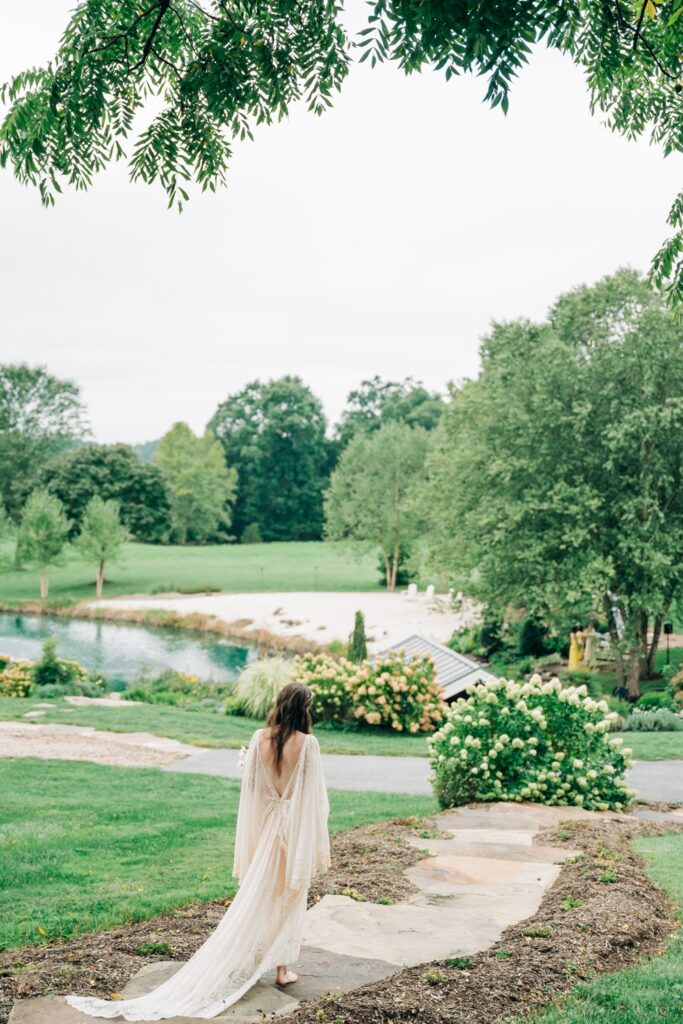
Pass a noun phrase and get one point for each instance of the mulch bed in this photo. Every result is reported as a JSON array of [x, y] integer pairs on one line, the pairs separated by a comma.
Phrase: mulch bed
[[585, 925], [367, 862]]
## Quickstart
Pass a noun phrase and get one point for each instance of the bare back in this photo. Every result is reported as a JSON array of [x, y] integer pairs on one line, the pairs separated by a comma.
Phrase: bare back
[[290, 757]]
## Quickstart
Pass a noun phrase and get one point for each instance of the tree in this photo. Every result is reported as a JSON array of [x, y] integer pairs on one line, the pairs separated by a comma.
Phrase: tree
[[223, 66], [358, 645], [200, 485], [102, 536], [43, 533], [374, 492], [274, 435], [556, 483], [40, 416], [378, 401], [114, 473]]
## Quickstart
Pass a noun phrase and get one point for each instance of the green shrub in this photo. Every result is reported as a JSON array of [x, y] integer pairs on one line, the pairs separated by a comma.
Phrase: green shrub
[[251, 534], [654, 720], [234, 706], [656, 699], [179, 689], [532, 638], [54, 671], [16, 679], [260, 683], [399, 692], [530, 741], [358, 645], [329, 679]]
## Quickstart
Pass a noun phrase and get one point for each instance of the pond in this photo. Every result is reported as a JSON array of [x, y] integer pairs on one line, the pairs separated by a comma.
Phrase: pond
[[121, 651]]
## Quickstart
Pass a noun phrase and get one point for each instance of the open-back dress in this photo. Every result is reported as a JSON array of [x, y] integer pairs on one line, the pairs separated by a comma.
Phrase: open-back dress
[[281, 843]]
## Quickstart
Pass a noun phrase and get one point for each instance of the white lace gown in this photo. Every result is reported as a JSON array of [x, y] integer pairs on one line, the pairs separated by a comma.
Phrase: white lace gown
[[281, 843]]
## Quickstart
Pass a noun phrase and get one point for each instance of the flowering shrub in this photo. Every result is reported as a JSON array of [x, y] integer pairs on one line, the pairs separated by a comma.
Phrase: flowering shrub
[[676, 684], [399, 692], [529, 741], [393, 691], [178, 688], [329, 679], [16, 679]]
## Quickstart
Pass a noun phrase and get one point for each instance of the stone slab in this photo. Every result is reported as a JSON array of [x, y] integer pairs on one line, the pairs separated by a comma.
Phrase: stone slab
[[463, 846], [55, 1010]]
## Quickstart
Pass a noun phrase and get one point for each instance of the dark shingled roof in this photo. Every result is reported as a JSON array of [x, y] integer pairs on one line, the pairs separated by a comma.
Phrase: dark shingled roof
[[454, 671]]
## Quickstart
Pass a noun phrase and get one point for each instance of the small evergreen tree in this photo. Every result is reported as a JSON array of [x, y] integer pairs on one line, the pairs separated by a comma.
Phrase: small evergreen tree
[[102, 536], [43, 533], [358, 645]]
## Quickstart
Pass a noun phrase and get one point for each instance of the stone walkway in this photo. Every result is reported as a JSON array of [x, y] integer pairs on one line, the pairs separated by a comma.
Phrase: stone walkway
[[485, 876], [83, 743]]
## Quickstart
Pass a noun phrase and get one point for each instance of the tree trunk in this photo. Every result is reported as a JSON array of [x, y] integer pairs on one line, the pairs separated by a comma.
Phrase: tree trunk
[[637, 654], [394, 567], [614, 637], [100, 579], [650, 661], [44, 586], [17, 556], [387, 569]]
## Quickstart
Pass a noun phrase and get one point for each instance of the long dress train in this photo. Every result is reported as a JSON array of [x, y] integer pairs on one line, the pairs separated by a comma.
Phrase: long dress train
[[281, 843]]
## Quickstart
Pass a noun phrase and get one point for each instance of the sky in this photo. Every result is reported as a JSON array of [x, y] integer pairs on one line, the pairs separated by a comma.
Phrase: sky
[[382, 238]]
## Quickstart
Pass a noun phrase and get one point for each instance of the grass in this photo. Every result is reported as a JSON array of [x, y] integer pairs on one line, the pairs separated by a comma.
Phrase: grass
[[233, 568], [652, 991], [85, 846], [203, 728], [209, 729]]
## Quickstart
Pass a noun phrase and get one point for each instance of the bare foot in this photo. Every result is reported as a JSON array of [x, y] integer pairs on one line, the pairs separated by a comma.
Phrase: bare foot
[[285, 977]]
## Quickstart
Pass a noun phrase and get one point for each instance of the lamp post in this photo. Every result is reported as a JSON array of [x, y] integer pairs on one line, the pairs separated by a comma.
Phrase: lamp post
[[668, 630]]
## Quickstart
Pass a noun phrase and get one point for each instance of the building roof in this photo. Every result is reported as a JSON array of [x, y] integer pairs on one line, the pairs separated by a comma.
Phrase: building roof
[[454, 671]]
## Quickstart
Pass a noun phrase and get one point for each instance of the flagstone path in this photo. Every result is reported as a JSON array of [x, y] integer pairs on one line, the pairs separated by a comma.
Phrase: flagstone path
[[485, 876]]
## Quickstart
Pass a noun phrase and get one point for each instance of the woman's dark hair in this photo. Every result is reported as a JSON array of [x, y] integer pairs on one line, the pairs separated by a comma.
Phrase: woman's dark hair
[[290, 714]]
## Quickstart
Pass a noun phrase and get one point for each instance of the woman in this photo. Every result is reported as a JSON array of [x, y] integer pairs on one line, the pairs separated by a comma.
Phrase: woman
[[576, 638], [280, 845]]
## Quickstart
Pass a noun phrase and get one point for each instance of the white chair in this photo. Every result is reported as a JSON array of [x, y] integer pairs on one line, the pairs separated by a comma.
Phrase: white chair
[[411, 592], [429, 592]]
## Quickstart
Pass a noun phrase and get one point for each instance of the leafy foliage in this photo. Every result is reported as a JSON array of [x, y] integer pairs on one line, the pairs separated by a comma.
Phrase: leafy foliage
[[260, 683], [661, 719], [274, 435], [111, 472], [43, 534], [374, 492], [180, 689], [102, 536], [376, 402], [40, 416], [200, 485], [221, 67], [358, 645], [556, 482], [530, 741]]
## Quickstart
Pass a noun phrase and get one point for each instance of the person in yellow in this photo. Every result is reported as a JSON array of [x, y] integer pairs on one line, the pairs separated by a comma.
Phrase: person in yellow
[[576, 641]]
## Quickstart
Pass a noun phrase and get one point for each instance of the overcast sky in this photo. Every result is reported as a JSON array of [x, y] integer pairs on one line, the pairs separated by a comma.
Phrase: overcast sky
[[380, 239]]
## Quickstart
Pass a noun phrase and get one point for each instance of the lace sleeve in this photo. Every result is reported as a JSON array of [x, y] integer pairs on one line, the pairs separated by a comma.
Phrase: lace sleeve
[[308, 847], [249, 815]]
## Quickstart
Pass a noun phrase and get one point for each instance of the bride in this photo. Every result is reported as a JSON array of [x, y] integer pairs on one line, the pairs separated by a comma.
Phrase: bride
[[281, 843]]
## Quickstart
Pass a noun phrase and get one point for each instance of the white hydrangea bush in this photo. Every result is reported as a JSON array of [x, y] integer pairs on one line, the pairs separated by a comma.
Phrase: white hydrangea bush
[[531, 741]]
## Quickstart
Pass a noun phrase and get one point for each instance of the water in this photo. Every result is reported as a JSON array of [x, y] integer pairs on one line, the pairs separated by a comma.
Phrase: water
[[120, 651]]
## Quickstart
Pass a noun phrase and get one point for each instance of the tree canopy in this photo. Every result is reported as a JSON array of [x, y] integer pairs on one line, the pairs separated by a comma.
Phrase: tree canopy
[[200, 485], [222, 66], [376, 401], [557, 479], [375, 490], [113, 472], [40, 415], [274, 435]]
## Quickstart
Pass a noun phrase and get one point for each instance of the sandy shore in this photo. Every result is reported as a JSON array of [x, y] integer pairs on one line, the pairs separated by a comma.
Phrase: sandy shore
[[319, 617]]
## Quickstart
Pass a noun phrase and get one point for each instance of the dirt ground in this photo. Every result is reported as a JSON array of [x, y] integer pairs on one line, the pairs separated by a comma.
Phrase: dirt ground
[[616, 924]]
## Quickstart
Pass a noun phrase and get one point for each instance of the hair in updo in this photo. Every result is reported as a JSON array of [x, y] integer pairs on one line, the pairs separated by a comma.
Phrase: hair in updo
[[292, 713]]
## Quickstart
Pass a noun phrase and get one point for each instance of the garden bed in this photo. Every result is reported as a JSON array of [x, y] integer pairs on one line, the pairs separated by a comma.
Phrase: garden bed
[[368, 860], [615, 924]]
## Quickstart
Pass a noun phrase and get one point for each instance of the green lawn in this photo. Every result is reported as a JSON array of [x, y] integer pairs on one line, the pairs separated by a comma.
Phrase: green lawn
[[652, 992], [208, 729], [85, 846], [204, 728], [234, 568]]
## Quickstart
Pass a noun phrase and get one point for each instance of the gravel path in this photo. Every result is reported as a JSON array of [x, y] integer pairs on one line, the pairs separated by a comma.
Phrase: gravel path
[[81, 743]]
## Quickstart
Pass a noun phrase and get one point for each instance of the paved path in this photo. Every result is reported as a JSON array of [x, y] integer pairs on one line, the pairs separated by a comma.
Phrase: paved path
[[652, 780], [484, 875]]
